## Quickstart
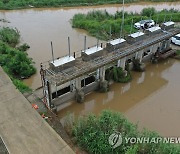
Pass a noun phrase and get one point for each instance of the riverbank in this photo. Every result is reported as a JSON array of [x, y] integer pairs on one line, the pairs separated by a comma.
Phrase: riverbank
[[11, 4], [14, 59], [106, 133], [105, 26]]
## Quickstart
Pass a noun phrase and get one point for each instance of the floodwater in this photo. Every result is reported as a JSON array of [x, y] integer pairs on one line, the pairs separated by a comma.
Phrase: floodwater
[[40, 26], [151, 99]]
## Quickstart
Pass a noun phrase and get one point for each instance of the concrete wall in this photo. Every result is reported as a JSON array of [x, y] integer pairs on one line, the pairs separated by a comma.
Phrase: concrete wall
[[71, 95], [91, 87], [64, 98]]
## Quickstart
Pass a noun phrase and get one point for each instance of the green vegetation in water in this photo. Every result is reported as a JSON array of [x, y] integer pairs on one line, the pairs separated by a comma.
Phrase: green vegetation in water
[[178, 52], [23, 47], [91, 133], [19, 4], [15, 62], [138, 66], [177, 56], [10, 36], [99, 23], [118, 74]]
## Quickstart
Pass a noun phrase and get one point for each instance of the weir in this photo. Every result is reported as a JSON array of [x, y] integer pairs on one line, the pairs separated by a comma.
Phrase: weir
[[72, 77]]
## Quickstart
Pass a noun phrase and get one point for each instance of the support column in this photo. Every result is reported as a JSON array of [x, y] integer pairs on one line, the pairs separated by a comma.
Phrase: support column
[[102, 73], [155, 47], [103, 84], [118, 63], [78, 83], [139, 55], [73, 85], [122, 63], [168, 43], [138, 65], [151, 49], [79, 92], [97, 74]]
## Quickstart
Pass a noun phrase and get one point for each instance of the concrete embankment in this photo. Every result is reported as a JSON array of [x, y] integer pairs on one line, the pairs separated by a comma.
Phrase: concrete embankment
[[22, 128]]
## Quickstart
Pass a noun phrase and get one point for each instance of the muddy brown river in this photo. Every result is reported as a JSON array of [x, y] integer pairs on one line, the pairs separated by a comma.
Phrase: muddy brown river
[[151, 99], [40, 26]]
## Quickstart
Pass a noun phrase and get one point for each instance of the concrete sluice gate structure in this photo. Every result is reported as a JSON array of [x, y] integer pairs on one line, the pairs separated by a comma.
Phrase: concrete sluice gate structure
[[72, 77]]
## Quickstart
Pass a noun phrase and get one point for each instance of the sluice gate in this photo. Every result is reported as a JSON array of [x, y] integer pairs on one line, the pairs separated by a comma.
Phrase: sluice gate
[[73, 76]]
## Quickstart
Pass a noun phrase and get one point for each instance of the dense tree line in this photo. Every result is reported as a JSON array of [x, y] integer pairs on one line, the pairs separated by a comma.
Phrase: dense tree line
[[17, 4], [100, 23]]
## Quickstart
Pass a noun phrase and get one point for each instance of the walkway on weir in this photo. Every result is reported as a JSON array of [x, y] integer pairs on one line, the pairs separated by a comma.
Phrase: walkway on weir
[[22, 128]]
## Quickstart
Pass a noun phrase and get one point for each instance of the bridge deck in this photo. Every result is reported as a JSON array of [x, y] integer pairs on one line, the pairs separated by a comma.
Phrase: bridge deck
[[84, 67], [22, 128]]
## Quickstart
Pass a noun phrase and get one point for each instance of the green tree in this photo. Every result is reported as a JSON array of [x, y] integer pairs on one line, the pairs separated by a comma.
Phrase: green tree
[[10, 36], [148, 12], [21, 66]]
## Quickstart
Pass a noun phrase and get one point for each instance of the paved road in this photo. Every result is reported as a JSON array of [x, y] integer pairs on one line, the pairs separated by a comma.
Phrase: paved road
[[22, 128]]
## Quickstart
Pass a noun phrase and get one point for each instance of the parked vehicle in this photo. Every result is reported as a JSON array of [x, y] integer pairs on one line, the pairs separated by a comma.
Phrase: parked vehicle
[[144, 24], [176, 39]]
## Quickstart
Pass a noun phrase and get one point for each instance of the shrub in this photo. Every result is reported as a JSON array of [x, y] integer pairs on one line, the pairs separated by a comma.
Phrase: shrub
[[21, 86], [92, 133], [98, 23], [178, 52], [118, 75], [15, 62], [23, 47], [148, 12], [10, 36]]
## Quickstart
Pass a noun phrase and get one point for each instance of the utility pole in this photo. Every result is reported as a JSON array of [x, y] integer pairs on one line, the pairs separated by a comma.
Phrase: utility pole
[[69, 46], [52, 51], [122, 24], [131, 26], [84, 43], [157, 20], [110, 31]]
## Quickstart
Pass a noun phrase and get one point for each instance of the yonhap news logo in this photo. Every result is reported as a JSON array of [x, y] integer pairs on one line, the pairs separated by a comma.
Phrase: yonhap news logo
[[116, 139]]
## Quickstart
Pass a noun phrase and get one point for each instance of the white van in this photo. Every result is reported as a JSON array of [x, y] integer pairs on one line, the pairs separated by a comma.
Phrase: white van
[[176, 39]]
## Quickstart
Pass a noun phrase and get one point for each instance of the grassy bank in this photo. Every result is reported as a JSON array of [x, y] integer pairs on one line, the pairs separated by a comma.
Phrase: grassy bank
[[99, 23], [92, 133], [14, 59], [19, 4]]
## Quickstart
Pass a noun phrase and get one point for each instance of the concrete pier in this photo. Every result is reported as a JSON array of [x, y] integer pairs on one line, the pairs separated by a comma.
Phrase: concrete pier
[[139, 55], [122, 63]]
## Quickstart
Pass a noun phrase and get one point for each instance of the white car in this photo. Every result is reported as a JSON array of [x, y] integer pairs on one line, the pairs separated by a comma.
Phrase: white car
[[176, 39], [144, 24]]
